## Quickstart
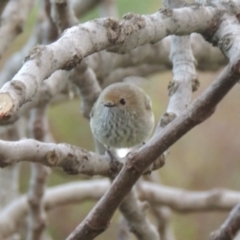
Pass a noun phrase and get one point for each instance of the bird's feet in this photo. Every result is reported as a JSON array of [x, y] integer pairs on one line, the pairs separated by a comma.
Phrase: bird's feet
[[115, 164]]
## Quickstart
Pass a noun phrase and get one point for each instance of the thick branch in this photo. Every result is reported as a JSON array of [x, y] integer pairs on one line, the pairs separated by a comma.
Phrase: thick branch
[[97, 220], [72, 159], [83, 40]]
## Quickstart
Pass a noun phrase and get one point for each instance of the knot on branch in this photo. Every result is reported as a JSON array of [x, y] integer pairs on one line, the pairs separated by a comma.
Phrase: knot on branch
[[131, 163], [167, 118], [172, 87], [52, 158], [113, 31], [195, 84], [209, 33], [72, 63], [226, 42], [35, 54], [167, 12], [214, 197], [135, 20], [4, 163]]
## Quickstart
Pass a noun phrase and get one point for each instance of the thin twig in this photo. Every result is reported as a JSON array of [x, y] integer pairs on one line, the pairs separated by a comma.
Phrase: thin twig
[[230, 227]]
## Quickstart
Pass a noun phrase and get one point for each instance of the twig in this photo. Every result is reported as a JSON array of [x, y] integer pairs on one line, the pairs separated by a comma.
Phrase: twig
[[134, 212], [123, 230], [230, 227], [162, 213]]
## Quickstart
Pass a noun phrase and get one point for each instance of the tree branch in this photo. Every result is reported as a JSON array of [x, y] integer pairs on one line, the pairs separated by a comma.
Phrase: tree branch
[[39, 174], [77, 192], [202, 108], [12, 21], [134, 212], [230, 227], [44, 60], [72, 159], [184, 201]]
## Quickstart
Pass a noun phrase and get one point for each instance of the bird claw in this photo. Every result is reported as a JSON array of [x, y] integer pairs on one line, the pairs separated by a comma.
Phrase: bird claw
[[110, 155], [114, 163]]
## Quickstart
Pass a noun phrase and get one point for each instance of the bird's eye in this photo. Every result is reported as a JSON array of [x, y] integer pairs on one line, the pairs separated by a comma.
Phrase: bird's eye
[[122, 101]]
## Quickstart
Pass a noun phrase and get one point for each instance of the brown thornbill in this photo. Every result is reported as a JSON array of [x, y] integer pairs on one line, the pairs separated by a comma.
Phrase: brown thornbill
[[122, 116]]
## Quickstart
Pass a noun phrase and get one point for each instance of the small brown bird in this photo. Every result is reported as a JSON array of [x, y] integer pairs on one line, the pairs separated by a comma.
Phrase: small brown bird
[[122, 116]]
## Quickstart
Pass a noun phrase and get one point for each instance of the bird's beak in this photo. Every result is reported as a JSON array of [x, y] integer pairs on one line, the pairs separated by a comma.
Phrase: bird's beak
[[109, 104]]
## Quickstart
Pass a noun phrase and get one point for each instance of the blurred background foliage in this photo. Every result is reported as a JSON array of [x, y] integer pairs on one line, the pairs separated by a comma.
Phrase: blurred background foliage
[[205, 158]]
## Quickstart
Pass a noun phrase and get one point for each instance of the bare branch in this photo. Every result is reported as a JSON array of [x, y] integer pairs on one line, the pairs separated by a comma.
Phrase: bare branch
[[134, 212], [162, 213], [142, 70], [37, 217], [75, 192], [12, 21], [88, 87], [72, 159], [2, 5], [123, 231], [202, 108], [230, 227], [63, 15], [39, 173], [83, 40], [14, 63], [184, 201]]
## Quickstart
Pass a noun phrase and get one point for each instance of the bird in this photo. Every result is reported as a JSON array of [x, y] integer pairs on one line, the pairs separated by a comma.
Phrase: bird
[[122, 116]]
